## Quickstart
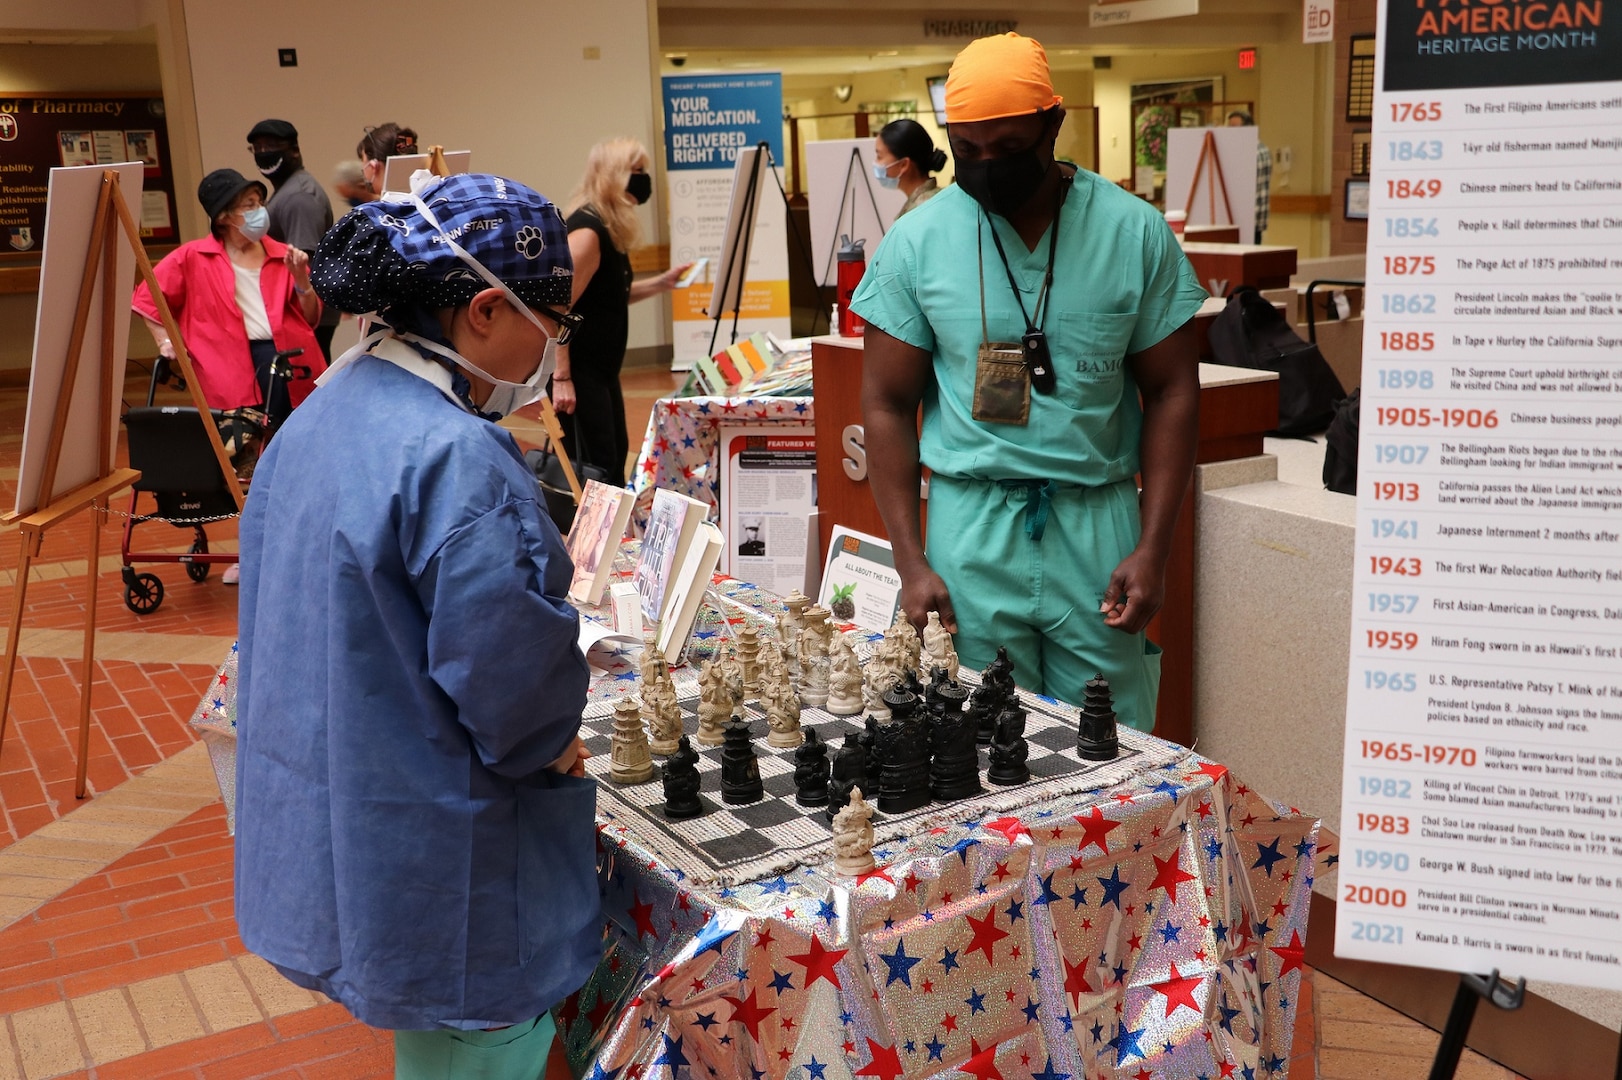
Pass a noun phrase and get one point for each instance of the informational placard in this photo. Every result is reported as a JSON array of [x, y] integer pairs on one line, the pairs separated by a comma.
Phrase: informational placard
[[1117, 12], [768, 489], [1482, 808], [845, 200], [40, 132], [859, 581], [709, 119]]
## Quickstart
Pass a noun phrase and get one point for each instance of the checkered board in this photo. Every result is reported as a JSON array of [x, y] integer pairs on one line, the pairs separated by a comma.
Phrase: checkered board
[[730, 844]]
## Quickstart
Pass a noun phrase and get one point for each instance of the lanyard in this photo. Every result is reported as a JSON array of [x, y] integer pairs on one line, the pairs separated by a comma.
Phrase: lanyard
[[1053, 251]]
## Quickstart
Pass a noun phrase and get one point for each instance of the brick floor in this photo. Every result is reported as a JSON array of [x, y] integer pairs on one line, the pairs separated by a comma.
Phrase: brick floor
[[139, 715]]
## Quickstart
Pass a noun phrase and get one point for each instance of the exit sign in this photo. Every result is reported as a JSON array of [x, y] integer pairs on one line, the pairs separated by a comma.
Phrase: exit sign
[[1247, 59]]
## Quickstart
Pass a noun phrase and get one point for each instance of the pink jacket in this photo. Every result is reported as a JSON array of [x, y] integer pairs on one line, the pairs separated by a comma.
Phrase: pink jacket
[[200, 286]]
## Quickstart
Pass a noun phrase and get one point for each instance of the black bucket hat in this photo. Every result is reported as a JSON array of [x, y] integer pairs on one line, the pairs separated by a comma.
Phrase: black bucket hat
[[220, 189]]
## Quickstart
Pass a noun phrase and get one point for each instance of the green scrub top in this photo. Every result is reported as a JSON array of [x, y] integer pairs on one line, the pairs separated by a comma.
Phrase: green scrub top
[[1120, 285]]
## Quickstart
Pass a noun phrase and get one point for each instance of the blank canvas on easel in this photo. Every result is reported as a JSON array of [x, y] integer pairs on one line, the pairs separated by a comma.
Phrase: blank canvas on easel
[[1236, 149], [71, 201], [837, 193]]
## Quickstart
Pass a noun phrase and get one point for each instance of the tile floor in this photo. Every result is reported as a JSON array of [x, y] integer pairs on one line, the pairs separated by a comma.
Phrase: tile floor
[[118, 954]]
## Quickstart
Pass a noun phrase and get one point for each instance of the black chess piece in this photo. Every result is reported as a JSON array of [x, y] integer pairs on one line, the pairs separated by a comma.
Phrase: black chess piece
[[1009, 749], [954, 766], [985, 704], [682, 782], [1096, 738], [740, 771], [1000, 672], [849, 771], [904, 764], [869, 739], [811, 771]]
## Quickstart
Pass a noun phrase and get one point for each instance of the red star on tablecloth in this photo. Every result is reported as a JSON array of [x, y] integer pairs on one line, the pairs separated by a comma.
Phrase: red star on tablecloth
[[1075, 982], [1178, 990], [986, 934], [1169, 874], [880, 872], [819, 963], [885, 1063], [1292, 954], [1011, 827], [982, 1064], [1210, 768], [642, 912], [1095, 830], [748, 1012]]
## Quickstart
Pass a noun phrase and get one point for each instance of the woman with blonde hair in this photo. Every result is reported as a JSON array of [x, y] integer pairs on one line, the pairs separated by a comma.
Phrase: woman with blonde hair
[[603, 228]]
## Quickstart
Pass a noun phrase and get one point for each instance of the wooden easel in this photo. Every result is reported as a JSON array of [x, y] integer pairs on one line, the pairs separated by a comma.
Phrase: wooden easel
[[1208, 153], [112, 219]]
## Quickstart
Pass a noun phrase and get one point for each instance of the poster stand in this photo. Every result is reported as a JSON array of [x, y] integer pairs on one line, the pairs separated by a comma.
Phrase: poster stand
[[1472, 988], [112, 218], [847, 197], [1208, 153], [738, 268]]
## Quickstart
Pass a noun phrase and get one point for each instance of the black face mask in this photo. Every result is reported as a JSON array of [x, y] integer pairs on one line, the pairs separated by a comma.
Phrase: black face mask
[[270, 162], [1003, 185], [639, 187]]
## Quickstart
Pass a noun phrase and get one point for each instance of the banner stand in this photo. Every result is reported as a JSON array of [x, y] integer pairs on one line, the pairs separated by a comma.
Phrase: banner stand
[[1472, 988]]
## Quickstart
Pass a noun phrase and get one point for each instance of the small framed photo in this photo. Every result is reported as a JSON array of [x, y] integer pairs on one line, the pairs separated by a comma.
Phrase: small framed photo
[[1357, 200]]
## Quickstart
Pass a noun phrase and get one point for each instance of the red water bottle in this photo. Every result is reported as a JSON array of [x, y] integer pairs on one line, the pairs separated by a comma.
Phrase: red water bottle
[[852, 261]]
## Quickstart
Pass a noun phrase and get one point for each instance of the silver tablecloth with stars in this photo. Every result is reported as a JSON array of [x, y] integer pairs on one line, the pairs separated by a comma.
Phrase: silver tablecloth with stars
[[1155, 929]]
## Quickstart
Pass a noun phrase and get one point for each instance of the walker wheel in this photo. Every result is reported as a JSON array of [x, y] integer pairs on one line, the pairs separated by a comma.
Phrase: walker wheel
[[197, 571], [144, 592]]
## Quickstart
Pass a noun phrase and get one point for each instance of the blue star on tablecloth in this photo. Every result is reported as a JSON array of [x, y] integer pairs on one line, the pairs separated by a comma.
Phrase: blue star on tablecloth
[[1113, 887], [900, 965], [1266, 856]]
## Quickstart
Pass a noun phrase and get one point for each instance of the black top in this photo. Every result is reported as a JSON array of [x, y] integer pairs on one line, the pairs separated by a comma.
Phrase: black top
[[598, 347]]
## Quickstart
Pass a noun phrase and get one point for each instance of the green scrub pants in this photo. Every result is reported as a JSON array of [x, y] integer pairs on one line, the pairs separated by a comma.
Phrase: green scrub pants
[[1027, 566], [514, 1053]]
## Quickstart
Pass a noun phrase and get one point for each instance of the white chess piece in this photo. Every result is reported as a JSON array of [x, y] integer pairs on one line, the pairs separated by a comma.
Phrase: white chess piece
[[853, 837], [749, 648], [937, 644], [630, 761], [714, 705], [664, 725], [783, 718], [845, 684]]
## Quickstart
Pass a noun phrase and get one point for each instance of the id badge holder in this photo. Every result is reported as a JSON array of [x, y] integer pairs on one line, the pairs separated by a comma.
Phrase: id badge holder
[[1002, 384]]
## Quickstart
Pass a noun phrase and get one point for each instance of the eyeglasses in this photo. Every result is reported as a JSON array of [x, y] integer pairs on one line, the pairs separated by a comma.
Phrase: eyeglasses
[[568, 322]]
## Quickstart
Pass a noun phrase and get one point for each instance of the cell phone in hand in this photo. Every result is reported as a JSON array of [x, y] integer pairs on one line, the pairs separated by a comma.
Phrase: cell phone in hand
[[692, 274]]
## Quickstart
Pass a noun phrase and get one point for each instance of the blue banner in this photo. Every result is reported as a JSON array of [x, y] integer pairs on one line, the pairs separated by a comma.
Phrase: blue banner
[[709, 118]]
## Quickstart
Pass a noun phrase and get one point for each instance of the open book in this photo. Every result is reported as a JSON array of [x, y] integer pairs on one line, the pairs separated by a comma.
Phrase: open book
[[672, 522]]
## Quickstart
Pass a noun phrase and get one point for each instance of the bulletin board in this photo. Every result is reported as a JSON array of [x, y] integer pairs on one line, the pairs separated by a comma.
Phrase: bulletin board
[[40, 132]]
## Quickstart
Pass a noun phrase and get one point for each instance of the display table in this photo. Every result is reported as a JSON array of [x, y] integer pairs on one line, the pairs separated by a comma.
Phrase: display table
[[1154, 925], [679, 450], [1151, 925], [1222, 268]]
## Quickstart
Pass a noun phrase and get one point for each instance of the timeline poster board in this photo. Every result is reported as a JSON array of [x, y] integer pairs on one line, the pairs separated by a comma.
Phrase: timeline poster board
[[41, 132], [708, 120], [768, 489], [1482, 806]]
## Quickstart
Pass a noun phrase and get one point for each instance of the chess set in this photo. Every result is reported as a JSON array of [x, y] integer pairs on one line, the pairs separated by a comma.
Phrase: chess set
[[782, 753]]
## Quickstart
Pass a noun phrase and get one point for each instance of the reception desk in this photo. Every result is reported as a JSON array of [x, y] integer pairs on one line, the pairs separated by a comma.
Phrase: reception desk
[[1237, 407]]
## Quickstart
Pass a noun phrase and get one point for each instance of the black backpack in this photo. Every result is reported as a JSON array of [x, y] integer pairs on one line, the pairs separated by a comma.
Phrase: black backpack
[[1252, 333], [1340, 455]]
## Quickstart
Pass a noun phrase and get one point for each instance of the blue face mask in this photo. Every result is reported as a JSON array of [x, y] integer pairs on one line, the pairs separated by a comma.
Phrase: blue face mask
[[255, 223], [881, 173]]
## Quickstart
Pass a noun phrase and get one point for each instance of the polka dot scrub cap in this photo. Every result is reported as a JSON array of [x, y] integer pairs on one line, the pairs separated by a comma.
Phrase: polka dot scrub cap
[[386, 255]]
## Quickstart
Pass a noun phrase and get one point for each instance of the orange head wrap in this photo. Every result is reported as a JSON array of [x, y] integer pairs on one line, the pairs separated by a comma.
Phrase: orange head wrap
[[994, 77]]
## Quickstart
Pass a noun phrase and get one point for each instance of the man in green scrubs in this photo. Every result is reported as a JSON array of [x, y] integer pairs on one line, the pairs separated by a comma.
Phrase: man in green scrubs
[[1039, 538]]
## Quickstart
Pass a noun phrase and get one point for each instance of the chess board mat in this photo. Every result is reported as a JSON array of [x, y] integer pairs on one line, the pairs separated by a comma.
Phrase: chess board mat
[[731, 844]]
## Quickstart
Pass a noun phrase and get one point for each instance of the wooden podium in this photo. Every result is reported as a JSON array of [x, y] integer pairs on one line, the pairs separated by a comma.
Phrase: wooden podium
[[1237, 407], [1222, 268]]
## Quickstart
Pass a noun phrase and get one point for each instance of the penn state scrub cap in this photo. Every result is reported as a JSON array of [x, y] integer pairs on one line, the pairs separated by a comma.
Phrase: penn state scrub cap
[[384, 256]]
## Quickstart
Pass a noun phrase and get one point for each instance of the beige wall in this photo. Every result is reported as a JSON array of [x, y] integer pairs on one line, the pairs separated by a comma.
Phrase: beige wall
[[509, 81]]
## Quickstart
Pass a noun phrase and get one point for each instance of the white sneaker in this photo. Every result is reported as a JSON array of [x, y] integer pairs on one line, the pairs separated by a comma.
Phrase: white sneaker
[[232, 575]]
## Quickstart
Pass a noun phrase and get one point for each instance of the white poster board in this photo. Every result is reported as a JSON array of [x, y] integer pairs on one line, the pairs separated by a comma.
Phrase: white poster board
[[1481, 815], [70, 212], [397, 170], [1236, 149], [768, 489], [845, 200], [751, 180]]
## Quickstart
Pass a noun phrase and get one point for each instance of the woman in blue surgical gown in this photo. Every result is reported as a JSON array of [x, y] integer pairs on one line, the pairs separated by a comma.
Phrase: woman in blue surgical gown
[[416, 834]]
